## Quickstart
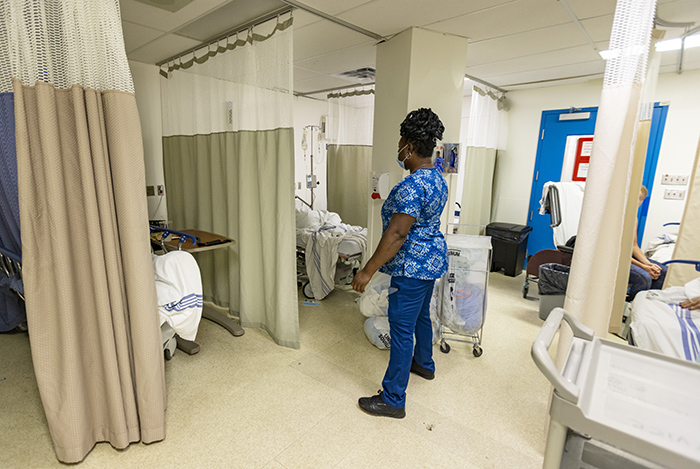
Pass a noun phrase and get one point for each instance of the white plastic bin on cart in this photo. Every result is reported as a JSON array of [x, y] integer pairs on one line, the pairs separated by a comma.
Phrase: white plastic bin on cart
[[640, 402]]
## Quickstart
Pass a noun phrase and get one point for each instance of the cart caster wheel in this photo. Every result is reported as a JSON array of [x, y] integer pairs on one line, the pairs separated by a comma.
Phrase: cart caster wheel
[[477, 351], [444, 347], [526, 289], [168, 355], [307, 291]]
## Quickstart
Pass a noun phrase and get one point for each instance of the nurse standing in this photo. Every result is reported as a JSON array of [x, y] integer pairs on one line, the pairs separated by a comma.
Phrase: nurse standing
[[413, 251]]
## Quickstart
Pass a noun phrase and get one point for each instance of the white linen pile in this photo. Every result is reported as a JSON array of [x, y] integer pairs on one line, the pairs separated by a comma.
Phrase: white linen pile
[[570, 203], [659, 324], [322, 231], [179, 288]]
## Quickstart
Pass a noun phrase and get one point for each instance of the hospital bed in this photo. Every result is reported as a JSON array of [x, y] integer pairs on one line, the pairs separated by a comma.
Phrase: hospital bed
[[658, 323], [11, 292], [328, 252], [616, 406]]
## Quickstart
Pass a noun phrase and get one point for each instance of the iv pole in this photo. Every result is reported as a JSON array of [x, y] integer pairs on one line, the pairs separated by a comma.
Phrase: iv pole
[[311, 182]]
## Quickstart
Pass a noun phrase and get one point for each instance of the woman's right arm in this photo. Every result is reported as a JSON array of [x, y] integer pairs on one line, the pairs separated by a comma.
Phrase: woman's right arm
[[390, 243]]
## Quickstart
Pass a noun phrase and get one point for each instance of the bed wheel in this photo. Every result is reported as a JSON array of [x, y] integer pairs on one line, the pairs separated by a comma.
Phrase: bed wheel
[[526, 289], [168, 354], [307, 291], [477, 351], [444, 347]]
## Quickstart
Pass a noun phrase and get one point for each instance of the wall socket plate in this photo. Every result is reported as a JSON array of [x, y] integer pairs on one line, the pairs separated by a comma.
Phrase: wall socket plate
[[674, 179], [160, 188], [674, 194], [150, 191]]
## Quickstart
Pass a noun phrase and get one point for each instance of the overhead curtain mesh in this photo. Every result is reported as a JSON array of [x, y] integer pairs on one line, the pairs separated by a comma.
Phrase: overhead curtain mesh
[[486, 136], [228, 156], [88, 281], [349, 135], [596, 261]]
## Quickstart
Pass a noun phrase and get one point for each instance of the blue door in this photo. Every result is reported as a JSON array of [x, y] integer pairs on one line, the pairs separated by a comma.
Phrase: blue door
[[550, 159]]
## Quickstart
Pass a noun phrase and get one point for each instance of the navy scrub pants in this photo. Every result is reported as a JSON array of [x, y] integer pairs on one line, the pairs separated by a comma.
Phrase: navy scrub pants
[[409, 313]]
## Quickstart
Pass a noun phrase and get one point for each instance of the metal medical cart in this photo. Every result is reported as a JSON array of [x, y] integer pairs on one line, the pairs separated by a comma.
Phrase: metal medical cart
[[639, 408]]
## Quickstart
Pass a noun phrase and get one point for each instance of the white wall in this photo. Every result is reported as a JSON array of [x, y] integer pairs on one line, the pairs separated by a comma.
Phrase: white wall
[[308, 111], [147, 86], [514, 171]]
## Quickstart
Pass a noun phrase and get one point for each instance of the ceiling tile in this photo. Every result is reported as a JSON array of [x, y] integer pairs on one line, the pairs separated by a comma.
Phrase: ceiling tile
[[228, 17], [680, 11], [301, 73], [542, 61], [581, 70], [162, 48], [524, 44], [388, 17], [147, 15], [333, 7], [599, 28], [511, 18], [136, 35], [343, 60], [302, 18], [591, 8], [324, 37]]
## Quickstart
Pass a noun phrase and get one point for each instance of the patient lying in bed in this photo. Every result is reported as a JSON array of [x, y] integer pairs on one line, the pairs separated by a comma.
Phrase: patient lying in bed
[[668, 321]]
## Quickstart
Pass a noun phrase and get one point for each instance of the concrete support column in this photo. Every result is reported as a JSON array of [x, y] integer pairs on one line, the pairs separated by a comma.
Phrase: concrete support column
[[416, 68]]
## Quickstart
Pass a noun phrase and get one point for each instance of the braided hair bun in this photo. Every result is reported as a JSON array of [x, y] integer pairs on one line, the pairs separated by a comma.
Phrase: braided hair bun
[[423, 128]]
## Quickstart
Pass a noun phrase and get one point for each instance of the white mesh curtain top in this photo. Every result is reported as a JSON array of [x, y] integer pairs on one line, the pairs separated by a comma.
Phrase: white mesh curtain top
[[597, 258], [349, 134], [228, 154], [88, 281]]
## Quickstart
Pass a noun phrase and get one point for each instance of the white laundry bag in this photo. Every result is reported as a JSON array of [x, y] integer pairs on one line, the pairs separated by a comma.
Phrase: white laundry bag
[[377, 331], [434, 310], [375, 299]]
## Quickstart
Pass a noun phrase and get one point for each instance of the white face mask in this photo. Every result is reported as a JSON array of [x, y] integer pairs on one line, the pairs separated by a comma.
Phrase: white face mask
[[398, 159]]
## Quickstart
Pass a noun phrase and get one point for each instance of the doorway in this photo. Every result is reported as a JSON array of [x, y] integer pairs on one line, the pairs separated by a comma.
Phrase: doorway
[[556, 128]]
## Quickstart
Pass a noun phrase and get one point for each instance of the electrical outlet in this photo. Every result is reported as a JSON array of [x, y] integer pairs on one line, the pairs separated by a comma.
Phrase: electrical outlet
[[150, 191], [674, 179], [161, 189], [674, 194]]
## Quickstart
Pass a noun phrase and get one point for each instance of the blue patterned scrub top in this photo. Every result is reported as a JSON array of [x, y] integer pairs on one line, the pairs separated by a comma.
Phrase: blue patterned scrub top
[[423, 255]]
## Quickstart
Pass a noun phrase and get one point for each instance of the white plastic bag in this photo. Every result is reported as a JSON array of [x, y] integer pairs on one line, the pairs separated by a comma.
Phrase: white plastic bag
[[377, 331], [434, 310], [463, 301], [375, 300]]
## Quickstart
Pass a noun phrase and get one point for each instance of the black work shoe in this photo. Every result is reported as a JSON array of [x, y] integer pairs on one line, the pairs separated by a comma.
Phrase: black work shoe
[[375, 406], [422, 372]]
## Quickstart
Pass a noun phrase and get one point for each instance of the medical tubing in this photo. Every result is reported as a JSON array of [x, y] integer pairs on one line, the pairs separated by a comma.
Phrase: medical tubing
[[565, 388]]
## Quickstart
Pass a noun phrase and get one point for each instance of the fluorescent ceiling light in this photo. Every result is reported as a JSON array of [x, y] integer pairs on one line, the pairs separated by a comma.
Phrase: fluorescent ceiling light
[[675, 44]]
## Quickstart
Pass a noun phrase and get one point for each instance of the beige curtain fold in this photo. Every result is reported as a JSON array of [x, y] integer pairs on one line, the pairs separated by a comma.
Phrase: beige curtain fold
[[215, 184], [349, 168], [479, 170], [91, 299], [688, 243]]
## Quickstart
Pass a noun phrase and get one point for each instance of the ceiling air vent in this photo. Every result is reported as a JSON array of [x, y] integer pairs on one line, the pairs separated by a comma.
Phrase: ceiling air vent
[[361, 75]]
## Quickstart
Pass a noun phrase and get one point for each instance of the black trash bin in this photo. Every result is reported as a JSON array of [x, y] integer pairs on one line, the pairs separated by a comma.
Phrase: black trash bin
[[509, 243], [552, 283]]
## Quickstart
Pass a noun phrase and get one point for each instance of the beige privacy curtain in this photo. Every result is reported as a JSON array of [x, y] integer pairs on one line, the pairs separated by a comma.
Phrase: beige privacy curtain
[[688, 243], [486, 136], [349, 135], [228, 155], [89, 285], [598, 244]]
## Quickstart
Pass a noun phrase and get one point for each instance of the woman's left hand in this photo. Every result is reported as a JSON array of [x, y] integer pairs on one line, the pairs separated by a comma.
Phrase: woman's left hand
[[691, 304], [361, 280]]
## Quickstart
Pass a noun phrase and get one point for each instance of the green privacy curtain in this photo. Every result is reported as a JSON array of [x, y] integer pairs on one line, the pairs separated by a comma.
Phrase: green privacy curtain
[[88, 277], [349, 133], [229, 163]]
